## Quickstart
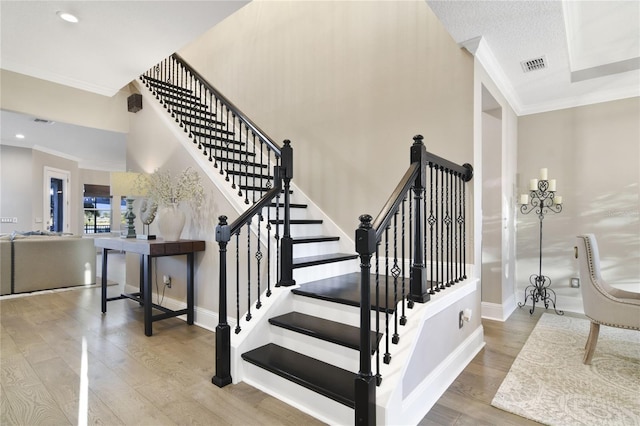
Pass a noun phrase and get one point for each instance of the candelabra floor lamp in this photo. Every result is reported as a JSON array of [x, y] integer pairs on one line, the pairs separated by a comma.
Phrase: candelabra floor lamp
[[543, 200]]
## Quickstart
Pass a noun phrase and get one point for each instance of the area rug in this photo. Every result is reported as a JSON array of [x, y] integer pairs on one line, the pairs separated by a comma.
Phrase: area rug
[[548, 382]]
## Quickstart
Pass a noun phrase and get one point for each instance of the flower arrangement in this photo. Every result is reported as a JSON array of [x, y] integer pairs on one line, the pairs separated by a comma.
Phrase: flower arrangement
[[165, 189]]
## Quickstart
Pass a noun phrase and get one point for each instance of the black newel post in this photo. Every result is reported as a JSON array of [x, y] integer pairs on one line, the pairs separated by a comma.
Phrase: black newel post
[[223, 331], [286, 245], [418, 288], [365, 384]]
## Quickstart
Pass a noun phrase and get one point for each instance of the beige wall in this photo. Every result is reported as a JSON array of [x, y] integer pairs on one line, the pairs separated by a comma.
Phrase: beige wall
[[16, 187], [350, 84], [56, 102], [594, 153]]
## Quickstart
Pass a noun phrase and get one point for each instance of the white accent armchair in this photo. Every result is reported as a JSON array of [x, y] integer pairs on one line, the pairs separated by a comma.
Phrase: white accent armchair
[[603, 304]]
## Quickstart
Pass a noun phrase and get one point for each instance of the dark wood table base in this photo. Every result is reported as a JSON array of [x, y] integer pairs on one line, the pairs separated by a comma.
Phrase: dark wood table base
[[148, 249]]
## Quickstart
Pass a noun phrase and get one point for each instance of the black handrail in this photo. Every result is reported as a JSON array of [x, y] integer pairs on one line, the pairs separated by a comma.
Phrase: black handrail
[[254, 128]]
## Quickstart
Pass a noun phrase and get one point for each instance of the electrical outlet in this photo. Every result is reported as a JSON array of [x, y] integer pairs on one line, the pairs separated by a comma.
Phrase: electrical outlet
[[460, 319], [166, 279]]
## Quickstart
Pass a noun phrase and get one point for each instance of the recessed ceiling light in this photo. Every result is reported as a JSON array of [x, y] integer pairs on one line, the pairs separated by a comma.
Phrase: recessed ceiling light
[[67, 16], [19, 136]]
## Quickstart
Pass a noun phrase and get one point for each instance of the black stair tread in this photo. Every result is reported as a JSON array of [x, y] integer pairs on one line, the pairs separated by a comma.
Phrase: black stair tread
[[199, 116], [254, 188], [296, 221], [242, 163], [323, 329], [315, 239], [208, 127], [251, 175], [180, 96], [230, 142], [302, 262], [159, 83], [226, 149], [291, 205], [325, 379], [345, 289], [202, 108]]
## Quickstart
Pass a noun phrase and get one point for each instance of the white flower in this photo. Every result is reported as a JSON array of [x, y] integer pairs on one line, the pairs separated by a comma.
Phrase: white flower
[[165, 189]]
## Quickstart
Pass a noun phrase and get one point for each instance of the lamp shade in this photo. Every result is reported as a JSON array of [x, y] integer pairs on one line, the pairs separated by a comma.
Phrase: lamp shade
[[124, 183]]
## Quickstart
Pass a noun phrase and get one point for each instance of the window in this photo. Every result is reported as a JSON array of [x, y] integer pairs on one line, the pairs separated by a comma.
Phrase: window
[[97, 209]]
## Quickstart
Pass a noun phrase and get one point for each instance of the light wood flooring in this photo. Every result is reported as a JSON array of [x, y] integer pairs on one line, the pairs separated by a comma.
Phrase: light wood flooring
[[59, 354]]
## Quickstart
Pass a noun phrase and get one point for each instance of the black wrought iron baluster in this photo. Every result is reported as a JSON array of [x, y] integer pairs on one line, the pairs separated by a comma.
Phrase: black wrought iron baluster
[[441, 237], [410, 301], [377, 309], [246, 164], [278, 271], [212, 126], [403, 318], [249, 270], [268, 252], [258, 261], [447, 221], [460, 221], [238, 158], [464, 232], [255, 184], [387, 355], [436, 251], [457, 234], [238, 328], [432, 221], [228, 165], [395, 271]]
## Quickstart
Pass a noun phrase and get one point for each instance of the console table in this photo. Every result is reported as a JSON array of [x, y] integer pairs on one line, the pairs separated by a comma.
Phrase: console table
[[148, 249]]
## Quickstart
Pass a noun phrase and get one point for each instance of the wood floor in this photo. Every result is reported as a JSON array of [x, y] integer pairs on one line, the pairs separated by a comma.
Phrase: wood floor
[[62, 362]]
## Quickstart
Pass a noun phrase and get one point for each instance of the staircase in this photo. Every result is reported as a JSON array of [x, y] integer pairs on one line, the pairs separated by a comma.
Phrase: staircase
[[210, 134], [310, 352]]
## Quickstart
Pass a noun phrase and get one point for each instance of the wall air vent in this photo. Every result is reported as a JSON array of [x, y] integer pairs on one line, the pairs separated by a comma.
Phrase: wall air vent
[[43, 121], [534, 64]]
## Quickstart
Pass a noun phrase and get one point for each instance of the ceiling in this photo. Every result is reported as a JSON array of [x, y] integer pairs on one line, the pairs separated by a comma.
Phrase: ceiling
[[591, 50]]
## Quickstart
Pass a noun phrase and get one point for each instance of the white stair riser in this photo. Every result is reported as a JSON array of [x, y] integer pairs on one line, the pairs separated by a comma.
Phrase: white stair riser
[[328, 352], [318, 272], [314, 249], [312, 403]]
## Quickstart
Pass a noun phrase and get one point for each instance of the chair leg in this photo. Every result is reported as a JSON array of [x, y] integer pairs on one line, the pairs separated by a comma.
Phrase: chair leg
[[592, 341]]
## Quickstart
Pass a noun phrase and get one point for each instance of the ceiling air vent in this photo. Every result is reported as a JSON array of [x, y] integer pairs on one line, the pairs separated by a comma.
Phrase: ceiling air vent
[[42, 121], [534, 64]]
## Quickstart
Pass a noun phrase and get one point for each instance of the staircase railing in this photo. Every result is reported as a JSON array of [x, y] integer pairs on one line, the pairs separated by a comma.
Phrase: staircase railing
[[431, 229], [254, 165], [224, 233], [235, 145]]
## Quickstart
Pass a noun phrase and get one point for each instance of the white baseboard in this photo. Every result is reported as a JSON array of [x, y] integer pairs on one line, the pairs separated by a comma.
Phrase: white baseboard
[[498, 312]]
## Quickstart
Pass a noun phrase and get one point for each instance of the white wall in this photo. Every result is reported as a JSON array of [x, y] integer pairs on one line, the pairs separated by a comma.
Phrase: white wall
[[500, 288], [594, 153]]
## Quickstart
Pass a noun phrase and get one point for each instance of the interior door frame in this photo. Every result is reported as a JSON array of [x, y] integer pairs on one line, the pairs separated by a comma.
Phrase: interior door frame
[[65, 176]]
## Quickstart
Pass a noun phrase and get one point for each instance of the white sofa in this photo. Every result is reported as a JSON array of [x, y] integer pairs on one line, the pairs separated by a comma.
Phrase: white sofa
[[43, 262]]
